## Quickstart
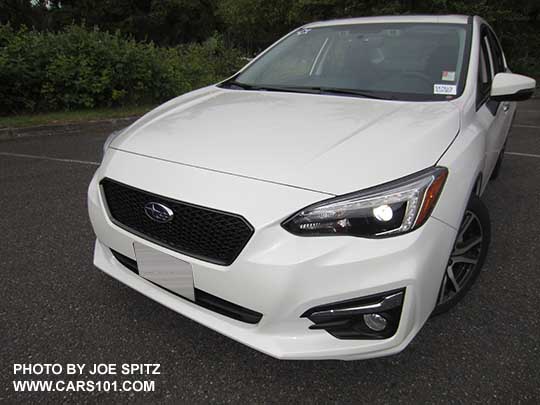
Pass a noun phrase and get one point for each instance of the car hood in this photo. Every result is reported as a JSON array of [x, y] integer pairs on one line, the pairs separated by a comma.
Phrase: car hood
[[331, 144]]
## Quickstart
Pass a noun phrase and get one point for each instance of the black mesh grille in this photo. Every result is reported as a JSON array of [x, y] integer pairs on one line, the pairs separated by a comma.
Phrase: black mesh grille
[[204, 233]]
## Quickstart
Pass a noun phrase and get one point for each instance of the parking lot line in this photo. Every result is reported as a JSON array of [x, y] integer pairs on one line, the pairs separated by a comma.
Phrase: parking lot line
[[21, 155], [522, 154], [525, 126]]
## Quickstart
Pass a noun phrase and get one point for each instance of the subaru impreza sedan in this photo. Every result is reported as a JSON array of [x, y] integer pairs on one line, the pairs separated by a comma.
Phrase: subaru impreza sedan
[[325, 201]]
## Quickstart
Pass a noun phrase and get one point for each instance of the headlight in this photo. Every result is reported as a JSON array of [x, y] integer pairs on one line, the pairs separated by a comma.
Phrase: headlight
[[390, 209]]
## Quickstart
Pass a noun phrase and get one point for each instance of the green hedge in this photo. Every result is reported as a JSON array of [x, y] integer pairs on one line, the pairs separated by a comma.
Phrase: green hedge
[[83, 68]]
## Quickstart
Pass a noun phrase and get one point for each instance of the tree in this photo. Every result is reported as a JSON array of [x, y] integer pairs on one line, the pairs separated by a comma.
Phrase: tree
[[166, 22], [253, 24], [23, 12]]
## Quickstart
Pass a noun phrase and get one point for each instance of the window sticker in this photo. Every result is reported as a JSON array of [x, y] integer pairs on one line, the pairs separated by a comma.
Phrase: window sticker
[[448, 89], [448, 76]]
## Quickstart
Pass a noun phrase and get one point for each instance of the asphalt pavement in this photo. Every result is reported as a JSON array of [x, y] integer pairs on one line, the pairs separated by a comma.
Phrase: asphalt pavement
[[55, 307]]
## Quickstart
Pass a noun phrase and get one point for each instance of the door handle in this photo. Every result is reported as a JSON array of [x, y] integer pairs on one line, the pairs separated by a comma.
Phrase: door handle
[[506, 107]]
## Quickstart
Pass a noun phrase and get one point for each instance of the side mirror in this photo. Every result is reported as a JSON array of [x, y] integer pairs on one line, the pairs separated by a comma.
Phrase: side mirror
[[512, 87]]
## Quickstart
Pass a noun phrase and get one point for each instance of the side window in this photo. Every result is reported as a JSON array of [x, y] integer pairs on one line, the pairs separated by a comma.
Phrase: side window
[[484, 73], [496, 52]]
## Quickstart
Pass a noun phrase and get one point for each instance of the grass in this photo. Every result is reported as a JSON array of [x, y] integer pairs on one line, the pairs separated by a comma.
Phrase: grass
[[68, 117]]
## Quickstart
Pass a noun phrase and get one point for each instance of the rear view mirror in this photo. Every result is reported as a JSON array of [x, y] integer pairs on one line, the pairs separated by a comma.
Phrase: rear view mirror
[[512, 87]]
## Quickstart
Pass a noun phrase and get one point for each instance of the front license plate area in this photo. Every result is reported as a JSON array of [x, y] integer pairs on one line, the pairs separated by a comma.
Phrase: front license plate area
[[166, 271]]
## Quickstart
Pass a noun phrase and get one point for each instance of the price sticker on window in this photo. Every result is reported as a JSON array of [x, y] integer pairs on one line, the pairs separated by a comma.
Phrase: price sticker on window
[[446, 89]]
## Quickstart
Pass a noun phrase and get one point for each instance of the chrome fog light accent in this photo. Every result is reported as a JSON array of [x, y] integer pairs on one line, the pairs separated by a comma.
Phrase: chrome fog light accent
[[372, 317]]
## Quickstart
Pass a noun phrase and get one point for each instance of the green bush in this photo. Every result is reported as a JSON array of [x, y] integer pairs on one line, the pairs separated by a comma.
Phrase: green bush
[[83, 68]]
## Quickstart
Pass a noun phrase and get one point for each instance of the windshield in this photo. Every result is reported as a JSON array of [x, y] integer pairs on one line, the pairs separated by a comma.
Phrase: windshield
[[407, 61]]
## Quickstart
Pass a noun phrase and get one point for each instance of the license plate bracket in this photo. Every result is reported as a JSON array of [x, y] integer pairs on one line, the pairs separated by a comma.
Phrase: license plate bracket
[[164, 270]]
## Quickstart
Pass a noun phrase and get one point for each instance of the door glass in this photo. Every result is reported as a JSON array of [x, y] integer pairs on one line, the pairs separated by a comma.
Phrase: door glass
[[497, 54], [484, 74]]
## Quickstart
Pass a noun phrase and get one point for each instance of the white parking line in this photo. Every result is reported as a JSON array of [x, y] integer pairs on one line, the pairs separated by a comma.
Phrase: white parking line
[[526, 126], [21, 155], [522, 154]]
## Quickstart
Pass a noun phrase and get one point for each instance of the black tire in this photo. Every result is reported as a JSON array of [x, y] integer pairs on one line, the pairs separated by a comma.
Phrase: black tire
[[467, 257], [497, 169]]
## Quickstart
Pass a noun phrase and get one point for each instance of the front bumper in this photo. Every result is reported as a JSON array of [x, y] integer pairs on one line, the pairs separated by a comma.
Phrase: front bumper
[[277, 274]]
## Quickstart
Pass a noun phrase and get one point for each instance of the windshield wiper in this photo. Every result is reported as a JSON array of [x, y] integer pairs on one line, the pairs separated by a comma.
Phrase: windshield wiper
[[352, 92], [305, 89], [263, 87], [230, 84], [326, 90]]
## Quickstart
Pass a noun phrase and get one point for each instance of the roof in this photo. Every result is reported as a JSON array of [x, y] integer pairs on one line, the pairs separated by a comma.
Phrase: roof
[[443, 19]]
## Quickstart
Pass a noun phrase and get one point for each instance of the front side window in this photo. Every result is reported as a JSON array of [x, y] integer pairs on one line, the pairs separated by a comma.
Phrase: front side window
[[484, 72], [406, 61], [496, 52]]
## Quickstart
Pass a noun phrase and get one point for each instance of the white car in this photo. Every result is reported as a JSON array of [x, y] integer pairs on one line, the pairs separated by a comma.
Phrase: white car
[[323, 202]]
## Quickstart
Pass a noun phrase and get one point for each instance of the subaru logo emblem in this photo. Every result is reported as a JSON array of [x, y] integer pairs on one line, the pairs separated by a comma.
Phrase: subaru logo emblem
[[158, 212]]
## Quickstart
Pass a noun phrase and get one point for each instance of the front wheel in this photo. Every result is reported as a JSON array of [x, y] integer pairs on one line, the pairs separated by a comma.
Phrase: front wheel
[[467, 257]]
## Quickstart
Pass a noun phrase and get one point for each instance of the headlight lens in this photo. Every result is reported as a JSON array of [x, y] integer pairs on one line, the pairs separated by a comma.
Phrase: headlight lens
[[390, 209]]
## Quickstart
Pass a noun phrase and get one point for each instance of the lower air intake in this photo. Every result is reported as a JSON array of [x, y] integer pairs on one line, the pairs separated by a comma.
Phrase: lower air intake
[[202, 298]]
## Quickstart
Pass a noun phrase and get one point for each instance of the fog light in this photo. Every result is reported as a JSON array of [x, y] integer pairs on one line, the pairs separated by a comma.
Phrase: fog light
[[375, 322]]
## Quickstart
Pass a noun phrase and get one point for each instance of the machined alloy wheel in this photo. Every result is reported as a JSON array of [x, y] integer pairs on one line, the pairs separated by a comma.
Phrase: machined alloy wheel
[[467, 257]]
